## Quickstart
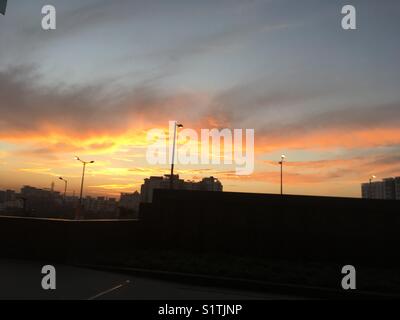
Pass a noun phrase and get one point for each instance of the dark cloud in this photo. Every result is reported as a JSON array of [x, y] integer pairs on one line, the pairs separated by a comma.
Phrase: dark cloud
[[28, 107], [294, 108], [367, 117]]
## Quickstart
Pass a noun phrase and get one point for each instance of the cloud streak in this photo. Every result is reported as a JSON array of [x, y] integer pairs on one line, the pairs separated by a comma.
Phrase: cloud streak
[[69, 119]]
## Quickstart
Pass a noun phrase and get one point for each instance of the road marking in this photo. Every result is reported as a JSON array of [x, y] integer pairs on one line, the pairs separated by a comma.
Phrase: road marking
[[127, 282]]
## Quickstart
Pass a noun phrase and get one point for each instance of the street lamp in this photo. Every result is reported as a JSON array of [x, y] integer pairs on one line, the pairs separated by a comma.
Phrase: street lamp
[[281, 163], [83, 175], [370, 186], [176, 125], [65, 189]]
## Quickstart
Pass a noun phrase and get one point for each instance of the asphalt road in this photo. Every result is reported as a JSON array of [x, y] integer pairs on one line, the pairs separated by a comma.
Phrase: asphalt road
[[22, 280]]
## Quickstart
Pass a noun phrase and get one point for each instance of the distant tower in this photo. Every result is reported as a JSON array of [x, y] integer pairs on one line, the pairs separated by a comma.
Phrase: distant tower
[[52, 187]]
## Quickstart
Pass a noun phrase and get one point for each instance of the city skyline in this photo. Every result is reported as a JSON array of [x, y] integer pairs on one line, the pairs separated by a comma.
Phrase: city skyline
[[326, 98], [31, 201], [74, 193]]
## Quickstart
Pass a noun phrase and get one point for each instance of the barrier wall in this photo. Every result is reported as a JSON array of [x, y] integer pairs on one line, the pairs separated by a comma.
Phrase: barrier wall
[[287, 226], [67, 240], [272, 226]]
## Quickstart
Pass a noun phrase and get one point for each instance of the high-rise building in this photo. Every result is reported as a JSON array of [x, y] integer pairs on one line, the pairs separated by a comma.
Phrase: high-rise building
[[397, 187], [373, 190], [209, 184], [206, 184], [147, 188], [388, 189]]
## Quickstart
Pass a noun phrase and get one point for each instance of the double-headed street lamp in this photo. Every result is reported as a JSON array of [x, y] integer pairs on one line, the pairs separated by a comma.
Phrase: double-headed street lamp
[[176, 125], [83, 175], [65, 189], [281, 163]]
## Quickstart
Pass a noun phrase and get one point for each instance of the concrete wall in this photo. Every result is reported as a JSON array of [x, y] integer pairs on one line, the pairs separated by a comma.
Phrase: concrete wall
[[272, 226], [277, 226], [66, 240]]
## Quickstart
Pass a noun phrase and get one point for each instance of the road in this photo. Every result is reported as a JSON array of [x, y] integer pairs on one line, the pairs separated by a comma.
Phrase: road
[[22, 280]]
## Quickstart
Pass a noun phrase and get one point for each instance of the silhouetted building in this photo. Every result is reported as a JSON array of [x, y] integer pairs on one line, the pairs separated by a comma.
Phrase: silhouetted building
[[373, 190], [209, 184], [42, 203], [8, 195], [100, 207], [9, 201], [48, 203], [397, 187], [130, 201], [152, 183], [129, 205], [387, 189], [40, 195]]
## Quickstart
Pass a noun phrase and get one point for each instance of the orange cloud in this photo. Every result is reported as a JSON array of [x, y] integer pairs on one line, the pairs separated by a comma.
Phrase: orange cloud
[[325, 139]]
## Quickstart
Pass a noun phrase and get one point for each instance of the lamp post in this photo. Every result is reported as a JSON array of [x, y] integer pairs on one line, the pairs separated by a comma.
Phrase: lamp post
[[83, 175], [65, 188], [370, 186], [176, 125], [281, 163]]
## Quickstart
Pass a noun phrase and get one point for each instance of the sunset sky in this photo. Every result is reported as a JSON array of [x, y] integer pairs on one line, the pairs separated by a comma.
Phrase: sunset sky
[[327, 98]]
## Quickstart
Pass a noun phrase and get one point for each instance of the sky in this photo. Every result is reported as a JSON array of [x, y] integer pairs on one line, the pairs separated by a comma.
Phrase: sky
[[325, 97]]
